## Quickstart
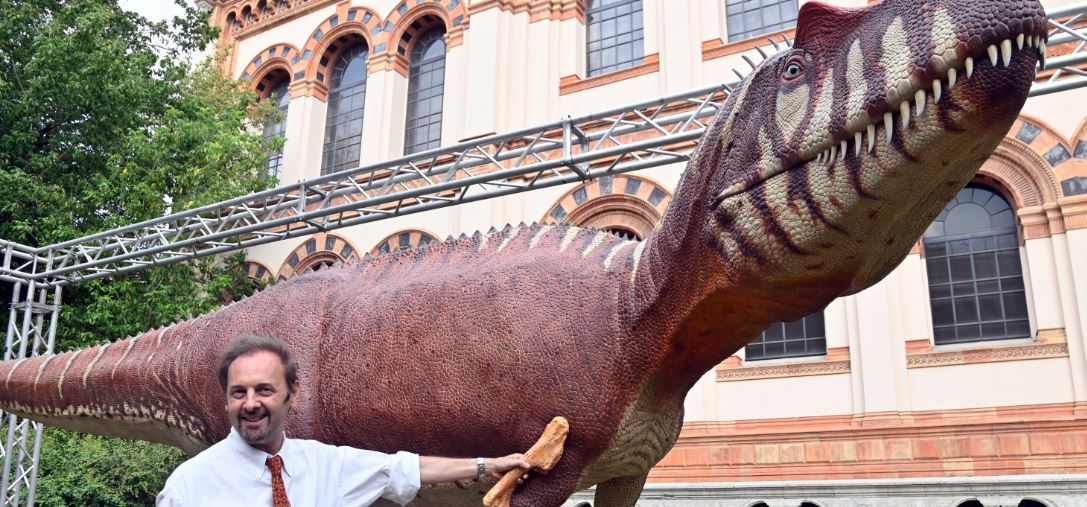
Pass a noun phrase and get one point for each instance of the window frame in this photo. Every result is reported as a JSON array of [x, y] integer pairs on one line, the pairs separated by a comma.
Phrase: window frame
[[807, 340], [783, 23], [636, 34], [420, 69], [337, 93]]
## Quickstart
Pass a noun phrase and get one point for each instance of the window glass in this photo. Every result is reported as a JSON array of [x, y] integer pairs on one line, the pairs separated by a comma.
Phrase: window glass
[[746, 19], [281, 94], [426, 88], [976, 289], [614, 35], [803, 337], [343, 122]]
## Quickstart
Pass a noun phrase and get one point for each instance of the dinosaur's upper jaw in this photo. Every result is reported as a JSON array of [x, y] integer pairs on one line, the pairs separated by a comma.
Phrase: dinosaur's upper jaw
[[1001, 62]]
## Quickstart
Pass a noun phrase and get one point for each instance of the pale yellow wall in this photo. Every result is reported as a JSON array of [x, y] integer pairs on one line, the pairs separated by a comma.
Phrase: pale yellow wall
[[814, 395], [990, 384]]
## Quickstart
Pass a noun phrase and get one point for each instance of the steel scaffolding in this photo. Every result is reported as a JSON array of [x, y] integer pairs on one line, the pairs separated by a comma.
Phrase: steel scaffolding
[[648, 134]]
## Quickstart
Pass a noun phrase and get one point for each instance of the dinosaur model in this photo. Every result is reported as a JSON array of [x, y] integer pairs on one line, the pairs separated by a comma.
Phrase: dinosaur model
[[813, 181]]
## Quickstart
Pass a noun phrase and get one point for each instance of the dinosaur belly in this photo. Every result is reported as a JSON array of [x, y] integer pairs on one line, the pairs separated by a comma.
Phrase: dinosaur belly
[[645, 435]]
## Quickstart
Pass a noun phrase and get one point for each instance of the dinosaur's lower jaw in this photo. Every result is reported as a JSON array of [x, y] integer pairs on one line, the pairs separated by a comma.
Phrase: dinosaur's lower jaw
[[850, 214]]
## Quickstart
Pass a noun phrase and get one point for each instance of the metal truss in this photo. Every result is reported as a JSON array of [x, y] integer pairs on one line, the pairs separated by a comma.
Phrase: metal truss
[[648, 134], [30, 333]]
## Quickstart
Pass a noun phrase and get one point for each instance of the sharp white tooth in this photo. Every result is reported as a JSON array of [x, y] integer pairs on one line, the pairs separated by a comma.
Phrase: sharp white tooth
[[857, 137], [819, 158], [919, 98], [969, 66], [871, 137], [1041, 52], [1037, 40], [904, 109], [889, 124], [937, 89], [1006, 51], [1030, 41], [952, 75], [992, 54], [1019, 40], [833, 153], [845, 149]]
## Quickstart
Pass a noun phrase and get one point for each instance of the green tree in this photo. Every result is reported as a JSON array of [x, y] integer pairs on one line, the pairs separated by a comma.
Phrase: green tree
[[104, 123]]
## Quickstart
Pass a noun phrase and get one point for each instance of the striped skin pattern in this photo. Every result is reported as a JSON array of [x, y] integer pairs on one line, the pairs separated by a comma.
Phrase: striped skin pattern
[[812, 182]]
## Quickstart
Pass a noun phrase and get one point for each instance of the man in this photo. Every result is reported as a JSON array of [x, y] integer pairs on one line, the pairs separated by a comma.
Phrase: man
[[257, 465]]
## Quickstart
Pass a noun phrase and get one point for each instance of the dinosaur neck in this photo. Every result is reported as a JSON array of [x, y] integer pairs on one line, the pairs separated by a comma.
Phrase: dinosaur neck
[[682, 289]]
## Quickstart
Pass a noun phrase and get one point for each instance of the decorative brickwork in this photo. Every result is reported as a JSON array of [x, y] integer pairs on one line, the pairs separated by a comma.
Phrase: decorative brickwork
[[624, 202], [715, 48], [257, 270], [572, 84], [321, 248], [409, 238], [276, 62], [1034, 439]]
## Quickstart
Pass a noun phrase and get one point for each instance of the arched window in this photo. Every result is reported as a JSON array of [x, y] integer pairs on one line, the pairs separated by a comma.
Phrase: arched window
[[346, 97], [975, 278], [804, 337], [614, 38], [426, 87], [281, 94]]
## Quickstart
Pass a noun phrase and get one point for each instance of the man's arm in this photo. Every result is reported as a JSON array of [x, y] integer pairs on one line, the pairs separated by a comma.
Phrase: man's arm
[[434, 470]]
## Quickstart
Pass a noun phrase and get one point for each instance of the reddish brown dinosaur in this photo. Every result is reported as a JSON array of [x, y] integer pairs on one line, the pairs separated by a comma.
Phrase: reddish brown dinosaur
[[812, 182]]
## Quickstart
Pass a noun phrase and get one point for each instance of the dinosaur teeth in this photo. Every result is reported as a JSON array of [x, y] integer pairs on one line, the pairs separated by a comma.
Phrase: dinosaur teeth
[[937, 91], [919, 98], [1006, 51], [992, 54], [871, 137], [857, 144], [844, 149], [969, 66], [889, 124], [952, 74], [904, 109], [1019, 41], [1041, 53]]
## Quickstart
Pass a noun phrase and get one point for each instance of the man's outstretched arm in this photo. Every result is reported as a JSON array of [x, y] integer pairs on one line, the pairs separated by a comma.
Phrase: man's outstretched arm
[[434, 470]]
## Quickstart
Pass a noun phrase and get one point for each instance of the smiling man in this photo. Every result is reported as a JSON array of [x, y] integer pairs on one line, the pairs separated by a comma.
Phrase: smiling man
[[258, 465]]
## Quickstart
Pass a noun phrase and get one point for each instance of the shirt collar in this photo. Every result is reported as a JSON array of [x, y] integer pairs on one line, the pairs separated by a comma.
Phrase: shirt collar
[[254, 459]]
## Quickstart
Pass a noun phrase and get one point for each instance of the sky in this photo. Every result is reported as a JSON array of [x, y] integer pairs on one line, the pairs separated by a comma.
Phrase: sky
[[155, 10]]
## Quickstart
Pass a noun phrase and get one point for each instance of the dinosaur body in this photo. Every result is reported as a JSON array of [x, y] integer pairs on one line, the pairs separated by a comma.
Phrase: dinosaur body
[[797, 194]]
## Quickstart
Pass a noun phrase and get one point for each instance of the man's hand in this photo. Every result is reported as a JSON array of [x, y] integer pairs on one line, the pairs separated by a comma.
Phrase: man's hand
[[497, 467]]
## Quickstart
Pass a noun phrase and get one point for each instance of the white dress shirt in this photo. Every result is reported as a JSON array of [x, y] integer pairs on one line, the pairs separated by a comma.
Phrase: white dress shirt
[[233, 473]]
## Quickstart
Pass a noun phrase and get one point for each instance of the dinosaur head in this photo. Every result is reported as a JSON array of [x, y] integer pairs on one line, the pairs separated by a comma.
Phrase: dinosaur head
[[835, 154]]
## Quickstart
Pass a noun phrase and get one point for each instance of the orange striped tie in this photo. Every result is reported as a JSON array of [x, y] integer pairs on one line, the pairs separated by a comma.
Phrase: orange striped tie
[[279, 491]]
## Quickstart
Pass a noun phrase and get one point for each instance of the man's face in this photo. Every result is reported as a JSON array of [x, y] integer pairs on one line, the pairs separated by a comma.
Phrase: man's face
[[257, 401]]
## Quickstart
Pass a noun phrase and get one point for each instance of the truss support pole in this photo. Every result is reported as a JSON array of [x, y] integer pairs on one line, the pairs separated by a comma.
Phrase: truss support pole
[[32, 327]]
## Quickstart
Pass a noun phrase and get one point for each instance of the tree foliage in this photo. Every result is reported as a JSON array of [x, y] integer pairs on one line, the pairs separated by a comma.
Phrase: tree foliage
[[105, 123]]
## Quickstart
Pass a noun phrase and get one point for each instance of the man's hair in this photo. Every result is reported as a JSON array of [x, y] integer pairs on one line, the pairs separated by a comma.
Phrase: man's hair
[[245, 344]]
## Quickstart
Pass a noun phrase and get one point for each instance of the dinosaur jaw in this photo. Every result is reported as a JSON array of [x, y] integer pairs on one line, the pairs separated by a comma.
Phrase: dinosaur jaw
[[852, 210]]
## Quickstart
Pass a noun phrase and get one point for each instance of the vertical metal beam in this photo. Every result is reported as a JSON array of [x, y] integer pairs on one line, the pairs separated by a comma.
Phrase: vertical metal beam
[[29, 334]]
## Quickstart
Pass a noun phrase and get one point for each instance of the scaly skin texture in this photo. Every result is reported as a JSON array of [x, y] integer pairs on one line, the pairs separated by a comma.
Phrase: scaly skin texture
[[470, 347]]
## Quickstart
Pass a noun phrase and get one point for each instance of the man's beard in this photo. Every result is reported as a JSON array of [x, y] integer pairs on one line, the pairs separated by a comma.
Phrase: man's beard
[[255, 435]]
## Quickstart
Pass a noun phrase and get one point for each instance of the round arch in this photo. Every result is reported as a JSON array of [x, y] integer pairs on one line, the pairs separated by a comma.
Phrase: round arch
[[403, 239], [269, 66], [257, 270], [623, 203], [349, 26], [1029, 184], [319, 249], [416, 21]]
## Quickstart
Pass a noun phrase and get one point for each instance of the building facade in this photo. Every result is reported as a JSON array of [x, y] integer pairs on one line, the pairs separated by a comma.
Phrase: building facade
[[960, 379]]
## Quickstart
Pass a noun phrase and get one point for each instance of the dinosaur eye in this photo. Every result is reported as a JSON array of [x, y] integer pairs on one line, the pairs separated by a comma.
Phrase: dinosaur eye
[[793, 70]]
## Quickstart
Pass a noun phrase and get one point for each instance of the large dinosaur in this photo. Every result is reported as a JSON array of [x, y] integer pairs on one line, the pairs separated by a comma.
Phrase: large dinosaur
[[813, 181]]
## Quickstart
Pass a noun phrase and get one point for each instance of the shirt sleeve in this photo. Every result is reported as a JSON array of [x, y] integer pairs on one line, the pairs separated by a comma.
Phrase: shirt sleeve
[[368, 475], [168, 497]]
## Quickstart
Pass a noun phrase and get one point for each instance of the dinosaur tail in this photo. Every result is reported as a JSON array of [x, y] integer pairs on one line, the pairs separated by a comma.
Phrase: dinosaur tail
[[130, 388]]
